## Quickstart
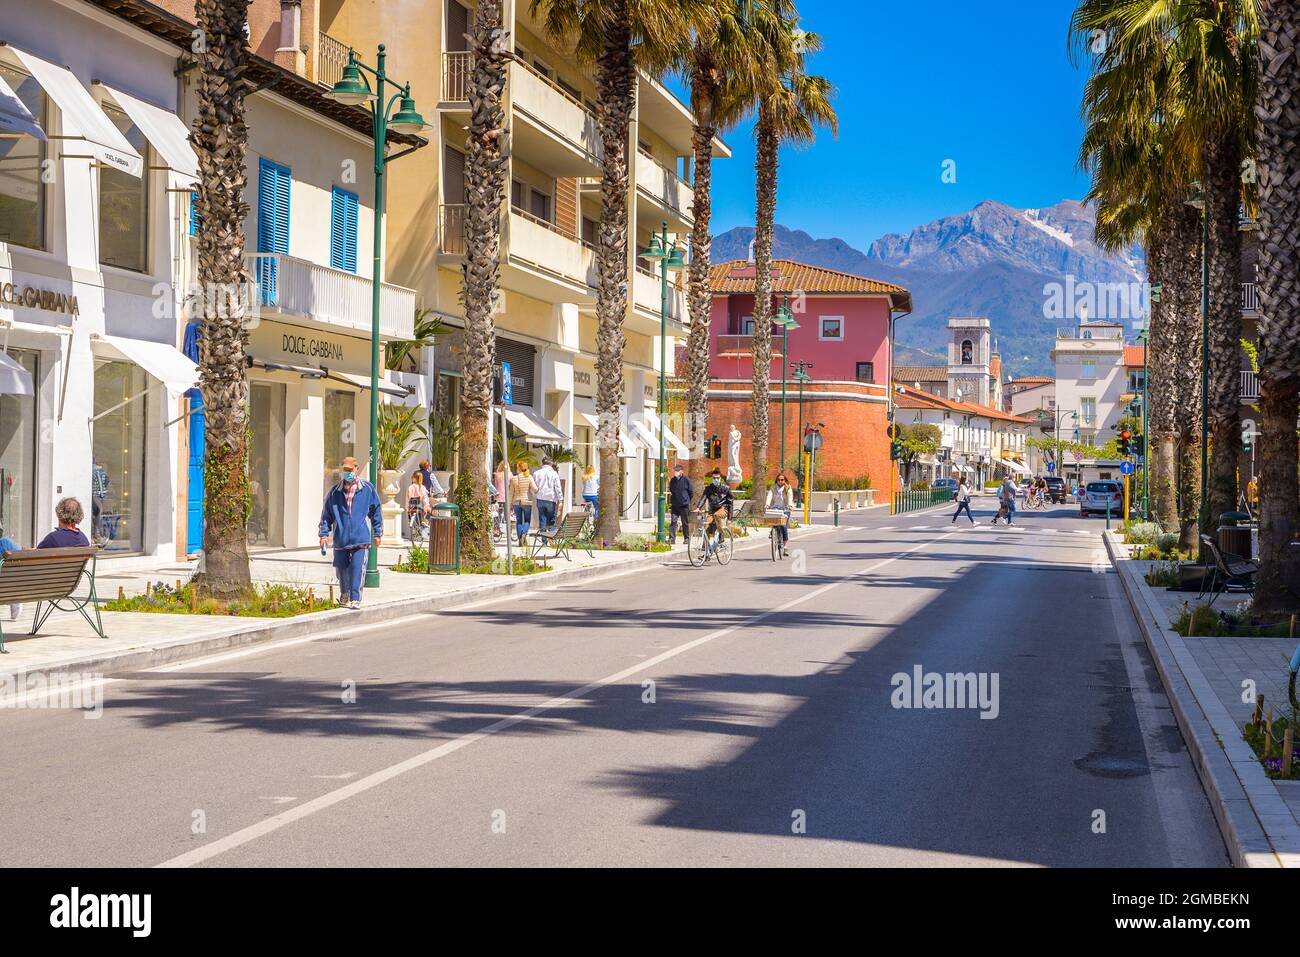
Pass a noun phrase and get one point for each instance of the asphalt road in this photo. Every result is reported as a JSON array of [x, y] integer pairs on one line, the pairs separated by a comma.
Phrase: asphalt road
[[674, 716]]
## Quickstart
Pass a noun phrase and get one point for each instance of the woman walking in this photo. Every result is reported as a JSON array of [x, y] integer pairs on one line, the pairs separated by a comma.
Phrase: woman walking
[[963, 502], [522, 490]]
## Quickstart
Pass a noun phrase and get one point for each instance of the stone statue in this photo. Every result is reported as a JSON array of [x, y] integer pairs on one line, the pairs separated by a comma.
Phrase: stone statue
[[734, 474]]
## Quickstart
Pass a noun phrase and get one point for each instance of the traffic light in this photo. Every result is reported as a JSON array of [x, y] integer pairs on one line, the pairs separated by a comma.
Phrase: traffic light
[[1125, 443], [895, 451], [715, 448]]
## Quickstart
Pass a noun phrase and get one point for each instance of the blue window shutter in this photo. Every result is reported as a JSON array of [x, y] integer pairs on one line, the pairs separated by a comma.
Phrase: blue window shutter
[[273, 184], [343, 230]]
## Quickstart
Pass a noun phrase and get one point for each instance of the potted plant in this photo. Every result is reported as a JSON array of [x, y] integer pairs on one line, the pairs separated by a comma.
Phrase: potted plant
[[401, 432], [444, 442]]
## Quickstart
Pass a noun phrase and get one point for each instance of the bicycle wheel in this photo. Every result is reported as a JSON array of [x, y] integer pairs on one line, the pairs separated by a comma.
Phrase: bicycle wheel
[[776, 543], [725, 540], [695, 552]]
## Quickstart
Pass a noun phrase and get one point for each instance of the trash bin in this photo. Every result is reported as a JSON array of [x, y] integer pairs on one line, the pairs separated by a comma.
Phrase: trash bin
[[1235, 540], [444, 539]]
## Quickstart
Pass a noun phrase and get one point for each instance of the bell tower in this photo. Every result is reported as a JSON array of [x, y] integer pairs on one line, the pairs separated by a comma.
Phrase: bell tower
[[970, 357]]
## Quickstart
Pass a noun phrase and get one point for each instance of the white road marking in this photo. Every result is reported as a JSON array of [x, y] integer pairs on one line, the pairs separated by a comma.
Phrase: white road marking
[[251, 833]]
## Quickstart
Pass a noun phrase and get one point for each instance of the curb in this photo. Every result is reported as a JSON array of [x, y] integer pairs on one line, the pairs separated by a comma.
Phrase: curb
[[267, 630], [1213, 739]]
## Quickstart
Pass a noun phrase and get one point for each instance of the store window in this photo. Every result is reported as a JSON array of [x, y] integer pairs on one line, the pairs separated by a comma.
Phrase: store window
[[266, 463], [117, 456], [22, 194], [124, 205], [340, 433], [18, 458]]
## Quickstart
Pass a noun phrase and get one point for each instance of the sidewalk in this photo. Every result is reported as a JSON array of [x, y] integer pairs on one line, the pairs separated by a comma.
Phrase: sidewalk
[[1259, 817], [140, 640]]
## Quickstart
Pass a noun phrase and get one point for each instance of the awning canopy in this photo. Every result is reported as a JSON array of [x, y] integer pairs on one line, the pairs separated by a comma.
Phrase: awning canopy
[[643, 436], [625, 447], [82, 117], [163, 129], [1014, 466], [164, 362], [363, 382], [15, 119], [14, 379], [536, 429], [677, 445]]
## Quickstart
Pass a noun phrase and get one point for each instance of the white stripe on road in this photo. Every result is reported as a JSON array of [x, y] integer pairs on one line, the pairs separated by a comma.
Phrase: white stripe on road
[[370, 781]]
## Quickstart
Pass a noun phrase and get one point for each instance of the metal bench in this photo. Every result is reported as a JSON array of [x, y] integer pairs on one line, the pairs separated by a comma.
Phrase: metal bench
[[49, 576], [567, 534], [1230, 571]]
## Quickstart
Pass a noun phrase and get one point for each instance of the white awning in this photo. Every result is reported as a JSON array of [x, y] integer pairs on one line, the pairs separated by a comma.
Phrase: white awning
[[163, 129], [536, 429], [1014, 466], [82, 117], [625, 448], [680, 447], [14, 379], [643, 436], [164, 362], [15, 119], [363, 382]]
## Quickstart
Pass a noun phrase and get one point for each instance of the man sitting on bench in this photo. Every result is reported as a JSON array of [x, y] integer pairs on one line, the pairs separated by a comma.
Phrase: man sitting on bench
[[70, 514]]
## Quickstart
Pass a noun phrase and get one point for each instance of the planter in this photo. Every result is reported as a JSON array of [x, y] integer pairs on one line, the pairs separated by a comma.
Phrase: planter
[[849, 498], [444, 478], [392, 512]]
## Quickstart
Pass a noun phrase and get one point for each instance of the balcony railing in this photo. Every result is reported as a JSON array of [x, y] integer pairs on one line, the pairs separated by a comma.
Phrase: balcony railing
[[554, 110], [1249, 386], [737, 346], [1250, 297], [456, 67], [451, 229], [1085, 332], [331, 58], [662, 184], [297, 287]]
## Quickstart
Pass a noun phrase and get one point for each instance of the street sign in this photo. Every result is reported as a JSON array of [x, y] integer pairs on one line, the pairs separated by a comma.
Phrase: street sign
[[1125, 468], [812, 441], [507, 393], [1051, 466], [1078, 456]]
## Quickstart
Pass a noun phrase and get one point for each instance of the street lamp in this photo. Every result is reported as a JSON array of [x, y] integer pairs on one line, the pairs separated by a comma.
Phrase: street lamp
[[670, 259], [800, 372], [785, 319], [353, 89], [1197, 201]]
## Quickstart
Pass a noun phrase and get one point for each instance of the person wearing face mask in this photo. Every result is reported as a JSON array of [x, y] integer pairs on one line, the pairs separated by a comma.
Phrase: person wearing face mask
[[717, 501], [352, 512], [781, 497]]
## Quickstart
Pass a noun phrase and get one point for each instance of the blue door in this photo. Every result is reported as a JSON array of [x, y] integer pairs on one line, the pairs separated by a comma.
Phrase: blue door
[[194, 503]]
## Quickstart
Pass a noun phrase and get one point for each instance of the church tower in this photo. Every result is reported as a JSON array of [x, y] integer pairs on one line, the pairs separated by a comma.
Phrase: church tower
[[970, 359]]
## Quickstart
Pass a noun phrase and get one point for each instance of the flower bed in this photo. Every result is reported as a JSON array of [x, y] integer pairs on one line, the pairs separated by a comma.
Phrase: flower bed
[[265, 601], [417, 562]]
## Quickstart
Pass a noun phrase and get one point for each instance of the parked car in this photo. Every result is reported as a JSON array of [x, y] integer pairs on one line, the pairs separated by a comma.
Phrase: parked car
[[1099, 496], [1055, 490], [948, 483]]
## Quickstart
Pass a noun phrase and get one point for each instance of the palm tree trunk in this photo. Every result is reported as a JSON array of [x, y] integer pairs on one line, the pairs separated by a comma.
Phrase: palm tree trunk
[[1189, 492], [485, 180], [1278, 157], [1223, 201], [701, 298], [1161, 381], [1181, 292], [220, 138], [616, 82], [765, 168]]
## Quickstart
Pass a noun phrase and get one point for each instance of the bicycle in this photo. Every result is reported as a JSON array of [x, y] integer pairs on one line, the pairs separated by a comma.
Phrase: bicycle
[[417, 521], [778, 547], [700, 551]]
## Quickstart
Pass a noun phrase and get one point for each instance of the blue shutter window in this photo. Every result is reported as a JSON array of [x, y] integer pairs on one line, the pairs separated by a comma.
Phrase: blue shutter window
[[195, 220], [343, 230], [273, 184]]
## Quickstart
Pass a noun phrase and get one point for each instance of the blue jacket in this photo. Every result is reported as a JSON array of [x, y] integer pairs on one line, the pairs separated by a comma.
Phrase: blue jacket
[[350, 527]]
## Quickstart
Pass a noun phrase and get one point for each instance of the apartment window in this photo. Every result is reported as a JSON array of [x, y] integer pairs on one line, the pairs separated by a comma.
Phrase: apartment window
[[542, 68], [457, 27], [866, 372], [518, 194], [589, 229], [273, 187], [22, 194], [124, 205], [1088, 410], [831, 328], [1088, 369], [746, 325], [343, 230], [540, 205], [453, 176]]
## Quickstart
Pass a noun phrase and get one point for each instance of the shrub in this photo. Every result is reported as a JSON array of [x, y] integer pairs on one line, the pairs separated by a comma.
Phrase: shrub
[[842, 484], [1167, 542], [921, 486], [1142, 533], [1162, 575], [264, 601]]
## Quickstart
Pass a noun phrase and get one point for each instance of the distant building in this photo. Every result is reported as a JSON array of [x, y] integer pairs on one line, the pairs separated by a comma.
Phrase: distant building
[[1091, 378], [978, 442]]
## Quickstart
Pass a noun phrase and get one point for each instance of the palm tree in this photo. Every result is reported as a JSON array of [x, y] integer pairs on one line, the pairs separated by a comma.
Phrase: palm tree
[[720, 70], [1278, 157], [618, 36], [790, 108], [220, 138], [400, 353], [486, 171]]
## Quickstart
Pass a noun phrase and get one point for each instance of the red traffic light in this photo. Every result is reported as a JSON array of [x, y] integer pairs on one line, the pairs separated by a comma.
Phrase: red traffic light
[[1126, 435]]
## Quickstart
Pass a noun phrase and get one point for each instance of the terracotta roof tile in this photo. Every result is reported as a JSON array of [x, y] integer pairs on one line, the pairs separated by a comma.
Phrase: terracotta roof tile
[[1133, 357], [913, 399], [906, 374], [787, 276]]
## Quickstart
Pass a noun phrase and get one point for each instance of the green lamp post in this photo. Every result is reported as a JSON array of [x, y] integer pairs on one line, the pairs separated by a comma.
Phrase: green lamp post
[[353, 89], [671, 260], [785, 319]]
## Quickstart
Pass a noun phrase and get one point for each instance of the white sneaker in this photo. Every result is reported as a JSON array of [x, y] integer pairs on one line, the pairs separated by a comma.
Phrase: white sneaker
[[354, 604]]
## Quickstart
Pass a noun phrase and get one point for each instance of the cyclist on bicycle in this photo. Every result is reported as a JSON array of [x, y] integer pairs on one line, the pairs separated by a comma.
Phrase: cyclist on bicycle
[[418, 503], [780, 497], [717, 502]]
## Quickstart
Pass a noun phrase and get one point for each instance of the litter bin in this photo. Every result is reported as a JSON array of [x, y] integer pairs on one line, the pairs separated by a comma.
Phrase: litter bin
[[1234, 537], [444, 539]]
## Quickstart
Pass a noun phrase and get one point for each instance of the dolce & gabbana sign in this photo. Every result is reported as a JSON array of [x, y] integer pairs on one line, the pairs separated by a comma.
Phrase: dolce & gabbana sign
[[296, 345], [33, 297]]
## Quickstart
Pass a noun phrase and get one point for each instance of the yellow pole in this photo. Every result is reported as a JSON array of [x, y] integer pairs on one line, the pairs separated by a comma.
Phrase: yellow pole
[[807, 492], [893, 476], [1126, 501]]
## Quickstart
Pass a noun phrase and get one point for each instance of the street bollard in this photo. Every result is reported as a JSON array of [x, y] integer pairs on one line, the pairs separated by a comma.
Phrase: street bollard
[[837, 511], [1108, 514]]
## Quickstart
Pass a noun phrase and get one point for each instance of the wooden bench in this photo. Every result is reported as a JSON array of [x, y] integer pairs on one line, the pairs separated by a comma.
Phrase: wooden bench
[[567, 534], [49, 576], [1230, 571]]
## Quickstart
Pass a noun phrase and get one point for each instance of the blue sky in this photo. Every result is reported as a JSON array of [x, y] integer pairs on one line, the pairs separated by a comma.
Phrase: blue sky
[[990, 87]]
